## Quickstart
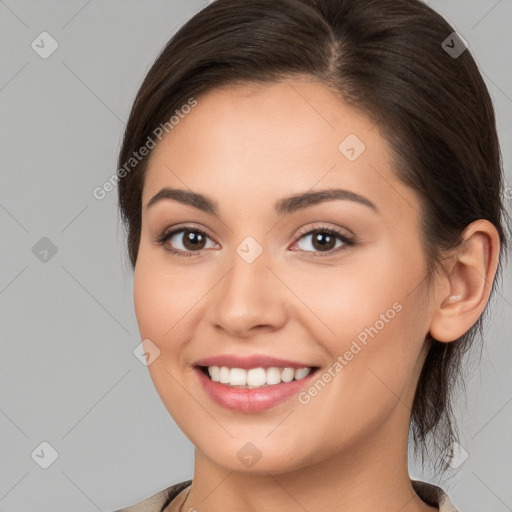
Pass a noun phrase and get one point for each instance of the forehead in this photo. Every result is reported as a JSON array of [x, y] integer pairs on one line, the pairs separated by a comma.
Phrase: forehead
[[256, 143]]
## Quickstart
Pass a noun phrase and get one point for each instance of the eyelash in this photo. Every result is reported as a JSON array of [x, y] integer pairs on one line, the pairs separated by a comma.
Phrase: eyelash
[[167, 235]]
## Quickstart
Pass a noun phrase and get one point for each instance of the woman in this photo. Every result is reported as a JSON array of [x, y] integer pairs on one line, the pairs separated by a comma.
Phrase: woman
[[311, 190]]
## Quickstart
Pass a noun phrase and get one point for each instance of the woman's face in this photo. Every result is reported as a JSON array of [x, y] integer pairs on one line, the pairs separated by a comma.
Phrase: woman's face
[[349, 301]]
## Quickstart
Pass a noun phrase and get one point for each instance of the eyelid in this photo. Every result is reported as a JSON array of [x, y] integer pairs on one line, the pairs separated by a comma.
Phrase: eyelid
[[348, 240], [325, 226], [164, 234]]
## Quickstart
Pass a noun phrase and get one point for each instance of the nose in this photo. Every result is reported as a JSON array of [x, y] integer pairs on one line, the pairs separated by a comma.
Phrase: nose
[[250, 298]]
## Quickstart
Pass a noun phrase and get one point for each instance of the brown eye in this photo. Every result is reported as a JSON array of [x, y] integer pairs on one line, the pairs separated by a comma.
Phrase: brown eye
[[193, 240], [185, 241], [323, 240]]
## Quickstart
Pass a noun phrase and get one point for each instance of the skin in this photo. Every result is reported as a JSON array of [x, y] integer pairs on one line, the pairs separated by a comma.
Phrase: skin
[[246, 147]]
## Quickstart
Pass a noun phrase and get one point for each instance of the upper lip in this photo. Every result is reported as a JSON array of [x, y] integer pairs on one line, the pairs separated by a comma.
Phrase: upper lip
[[255, 361]]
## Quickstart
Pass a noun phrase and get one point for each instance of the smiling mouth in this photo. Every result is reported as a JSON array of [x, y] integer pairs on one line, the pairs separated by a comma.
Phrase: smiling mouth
[[255, 377]]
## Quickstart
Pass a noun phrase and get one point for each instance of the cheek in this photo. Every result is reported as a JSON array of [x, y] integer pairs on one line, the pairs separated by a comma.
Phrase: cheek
[[344, 301], [373, 316], [150, 309], [159, 307], [163, 297]]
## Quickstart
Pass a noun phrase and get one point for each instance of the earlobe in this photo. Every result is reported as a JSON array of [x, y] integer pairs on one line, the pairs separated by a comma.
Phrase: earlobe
[[468, 281]]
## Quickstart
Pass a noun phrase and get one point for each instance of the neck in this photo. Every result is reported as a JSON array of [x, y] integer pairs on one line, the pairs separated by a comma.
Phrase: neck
[[370, 476]]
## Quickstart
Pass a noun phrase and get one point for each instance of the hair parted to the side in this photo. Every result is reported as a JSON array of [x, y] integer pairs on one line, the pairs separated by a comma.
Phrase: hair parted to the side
[[383, 57]]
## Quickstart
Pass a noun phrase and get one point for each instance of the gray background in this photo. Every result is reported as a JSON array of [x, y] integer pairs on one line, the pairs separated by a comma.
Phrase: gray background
[[69, 375]]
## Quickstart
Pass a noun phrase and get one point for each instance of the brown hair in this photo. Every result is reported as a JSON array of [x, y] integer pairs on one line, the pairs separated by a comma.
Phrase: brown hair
[[385, 58]]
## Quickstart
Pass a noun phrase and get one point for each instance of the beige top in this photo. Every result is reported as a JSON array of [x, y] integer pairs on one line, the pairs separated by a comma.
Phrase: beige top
[[430, 494]]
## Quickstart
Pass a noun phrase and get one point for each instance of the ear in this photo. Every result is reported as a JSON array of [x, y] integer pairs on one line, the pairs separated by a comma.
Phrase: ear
[[463, 292]]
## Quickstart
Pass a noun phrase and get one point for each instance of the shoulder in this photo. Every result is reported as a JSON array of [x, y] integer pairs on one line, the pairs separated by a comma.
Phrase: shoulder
[[158, 501], [433, 495]]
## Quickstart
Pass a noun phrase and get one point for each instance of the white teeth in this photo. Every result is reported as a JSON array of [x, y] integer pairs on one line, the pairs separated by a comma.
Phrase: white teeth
[[300, 373], [214, 372], [237, 377], [273, 375], [287, 374], [224, 375], [255, 377]]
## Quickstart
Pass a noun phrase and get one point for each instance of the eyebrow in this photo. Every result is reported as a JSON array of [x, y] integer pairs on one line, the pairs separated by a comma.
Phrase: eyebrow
[[283, 206]]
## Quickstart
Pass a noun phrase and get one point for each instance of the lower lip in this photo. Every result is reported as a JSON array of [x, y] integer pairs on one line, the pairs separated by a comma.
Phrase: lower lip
[[251, 400]]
